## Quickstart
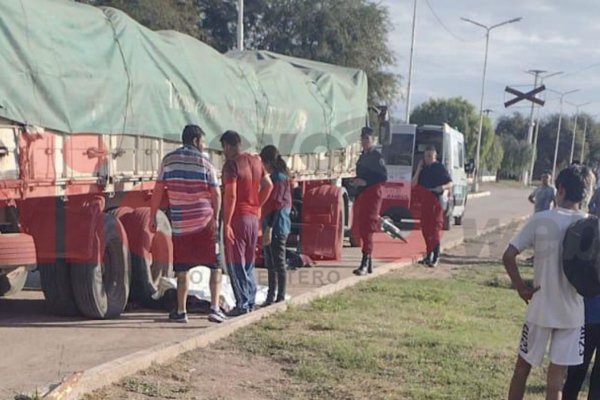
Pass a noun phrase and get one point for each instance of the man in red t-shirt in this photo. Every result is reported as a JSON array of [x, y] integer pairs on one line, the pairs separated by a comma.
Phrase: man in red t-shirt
[[247, 188]]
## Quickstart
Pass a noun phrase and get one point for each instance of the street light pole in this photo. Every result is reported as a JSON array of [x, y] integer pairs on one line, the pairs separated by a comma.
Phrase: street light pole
[[537, 127], [562, 96], [577, 107], [240, 26], [476, 176], [410, 63], [536, 73], [583, 143]]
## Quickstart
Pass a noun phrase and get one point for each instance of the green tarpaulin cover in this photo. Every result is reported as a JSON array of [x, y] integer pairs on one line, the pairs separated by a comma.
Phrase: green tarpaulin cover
[[79, 69]]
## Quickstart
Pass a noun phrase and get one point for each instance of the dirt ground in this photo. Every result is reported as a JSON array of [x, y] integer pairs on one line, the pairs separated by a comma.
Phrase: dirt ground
[[220, 373]]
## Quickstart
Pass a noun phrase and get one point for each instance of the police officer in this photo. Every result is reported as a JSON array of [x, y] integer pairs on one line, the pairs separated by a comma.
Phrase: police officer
[[371, 174], [432, 181]]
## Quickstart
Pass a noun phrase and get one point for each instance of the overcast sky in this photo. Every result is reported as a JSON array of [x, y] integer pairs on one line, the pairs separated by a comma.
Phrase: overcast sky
[[554, 35]]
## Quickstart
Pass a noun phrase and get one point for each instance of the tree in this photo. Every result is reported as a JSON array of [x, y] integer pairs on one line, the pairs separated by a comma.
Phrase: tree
[[179, 15], [350, 33], [517, 156], [515, 125], [462, 115]]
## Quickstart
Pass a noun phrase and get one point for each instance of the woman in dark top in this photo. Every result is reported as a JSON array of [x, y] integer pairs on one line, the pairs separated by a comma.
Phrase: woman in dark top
[[276, 223], [371, 174]]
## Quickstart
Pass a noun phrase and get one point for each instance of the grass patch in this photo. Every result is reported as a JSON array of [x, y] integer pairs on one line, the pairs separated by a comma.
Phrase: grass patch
[[396, 338]]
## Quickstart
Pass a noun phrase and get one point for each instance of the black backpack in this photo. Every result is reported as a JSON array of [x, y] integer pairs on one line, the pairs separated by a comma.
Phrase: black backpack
[[581, 256]]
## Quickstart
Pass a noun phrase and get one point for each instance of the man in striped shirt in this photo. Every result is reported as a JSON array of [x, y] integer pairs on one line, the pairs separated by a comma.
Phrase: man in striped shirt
[[194, 204]]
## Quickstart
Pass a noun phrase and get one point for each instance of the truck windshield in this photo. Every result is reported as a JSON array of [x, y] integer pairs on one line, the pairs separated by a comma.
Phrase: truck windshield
[[400, 152]]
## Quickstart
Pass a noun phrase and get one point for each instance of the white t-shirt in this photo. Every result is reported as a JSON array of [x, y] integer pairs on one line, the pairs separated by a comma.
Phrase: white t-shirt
[[556, 304]]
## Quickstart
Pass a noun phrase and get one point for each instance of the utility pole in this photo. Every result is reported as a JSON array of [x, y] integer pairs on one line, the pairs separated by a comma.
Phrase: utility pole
[[410, 63], [583, 143], [240, 26], [537, 127], [477, 174], [536, 73], [562, 96], [577, 107]]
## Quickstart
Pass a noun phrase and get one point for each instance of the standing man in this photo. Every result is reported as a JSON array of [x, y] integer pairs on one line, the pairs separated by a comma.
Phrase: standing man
[[194, 203], [433, 181], [247, 188], [543, 196], [371, 174], [554, 321]]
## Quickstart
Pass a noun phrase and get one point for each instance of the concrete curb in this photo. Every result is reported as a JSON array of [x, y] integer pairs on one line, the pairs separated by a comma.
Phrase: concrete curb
[[115, 370], [479, 195]]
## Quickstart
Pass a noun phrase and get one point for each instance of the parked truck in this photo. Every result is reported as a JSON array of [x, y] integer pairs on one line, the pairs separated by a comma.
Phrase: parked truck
[[90, 102]]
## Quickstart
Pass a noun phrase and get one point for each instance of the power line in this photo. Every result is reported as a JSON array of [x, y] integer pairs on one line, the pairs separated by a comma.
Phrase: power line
[[439, 20]]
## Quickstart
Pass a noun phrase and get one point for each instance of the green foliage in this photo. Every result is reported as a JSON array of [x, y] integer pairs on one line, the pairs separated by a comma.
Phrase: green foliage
[[351, 33], [494, 157], [179, 15], [462, 115], [517, 156], [516, 126]]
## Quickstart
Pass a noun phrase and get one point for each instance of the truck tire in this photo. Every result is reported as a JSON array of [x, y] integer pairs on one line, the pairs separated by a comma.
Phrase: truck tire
[[17, 250], [56, 285], [13, 281], [151, 253], [101, 288]]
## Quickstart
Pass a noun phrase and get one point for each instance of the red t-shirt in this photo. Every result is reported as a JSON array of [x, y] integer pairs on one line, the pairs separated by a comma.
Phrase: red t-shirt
[[247, 172]]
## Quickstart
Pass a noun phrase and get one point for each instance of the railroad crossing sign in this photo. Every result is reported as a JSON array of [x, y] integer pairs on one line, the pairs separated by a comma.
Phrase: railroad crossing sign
[[525, 96]]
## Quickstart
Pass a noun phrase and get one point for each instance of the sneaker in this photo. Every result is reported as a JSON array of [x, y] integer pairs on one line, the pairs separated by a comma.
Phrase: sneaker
[[174, 316], [433, 263], [216, 316], [236, 312]]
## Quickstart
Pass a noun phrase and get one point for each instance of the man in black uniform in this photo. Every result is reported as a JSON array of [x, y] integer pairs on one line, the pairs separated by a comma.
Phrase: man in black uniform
[[432, 180], [371, 174]]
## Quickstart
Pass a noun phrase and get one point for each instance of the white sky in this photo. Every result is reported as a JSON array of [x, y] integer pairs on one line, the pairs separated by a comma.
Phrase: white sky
[[554, 35]]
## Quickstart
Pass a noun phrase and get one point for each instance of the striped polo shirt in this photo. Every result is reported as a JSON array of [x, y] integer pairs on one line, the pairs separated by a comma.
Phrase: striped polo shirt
[[188, 176]]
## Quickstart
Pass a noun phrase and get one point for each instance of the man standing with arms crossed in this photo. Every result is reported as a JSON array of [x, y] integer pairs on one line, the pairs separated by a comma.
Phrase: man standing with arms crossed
[[433, 181], [247, 188], [194, 203]]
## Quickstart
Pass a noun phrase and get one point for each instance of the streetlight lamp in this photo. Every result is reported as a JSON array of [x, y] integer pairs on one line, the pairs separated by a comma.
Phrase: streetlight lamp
[[577, 107], [562, 96], [537, 126], [475, 186]]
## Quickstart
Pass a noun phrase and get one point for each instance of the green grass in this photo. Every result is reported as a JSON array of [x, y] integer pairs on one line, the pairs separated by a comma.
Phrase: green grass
[[395, 338]]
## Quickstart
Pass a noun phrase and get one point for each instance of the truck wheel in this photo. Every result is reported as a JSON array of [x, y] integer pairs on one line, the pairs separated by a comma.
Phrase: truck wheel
[[101, 288], [151, 253], [13, 281], [17, 251], [56, 285]]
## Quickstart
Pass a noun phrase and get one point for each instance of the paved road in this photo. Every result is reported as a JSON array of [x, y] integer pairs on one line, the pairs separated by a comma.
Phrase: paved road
[[39, 349]]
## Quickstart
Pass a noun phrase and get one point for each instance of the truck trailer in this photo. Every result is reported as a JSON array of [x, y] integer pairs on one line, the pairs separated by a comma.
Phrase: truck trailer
[[90, 102]]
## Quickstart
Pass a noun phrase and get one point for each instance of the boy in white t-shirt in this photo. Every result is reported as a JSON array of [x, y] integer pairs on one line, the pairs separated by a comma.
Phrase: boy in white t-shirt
[[555, 312]]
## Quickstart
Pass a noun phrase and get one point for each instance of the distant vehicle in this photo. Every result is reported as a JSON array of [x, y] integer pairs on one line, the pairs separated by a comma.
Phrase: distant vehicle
[[403, 147]]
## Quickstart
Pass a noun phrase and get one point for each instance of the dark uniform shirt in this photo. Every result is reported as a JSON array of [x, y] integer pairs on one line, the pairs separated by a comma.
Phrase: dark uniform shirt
[[434, 175], [371, 168]]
